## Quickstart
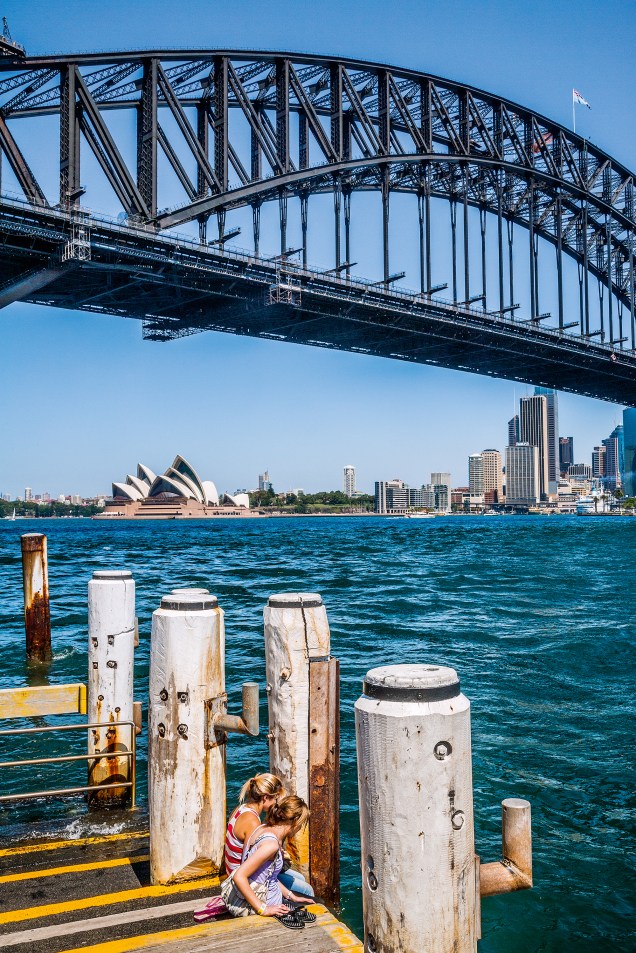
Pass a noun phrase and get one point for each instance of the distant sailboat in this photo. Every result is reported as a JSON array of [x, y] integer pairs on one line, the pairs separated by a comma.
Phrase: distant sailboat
[[12, 517]]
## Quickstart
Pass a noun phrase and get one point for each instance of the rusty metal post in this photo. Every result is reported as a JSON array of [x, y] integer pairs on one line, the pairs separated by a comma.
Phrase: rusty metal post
[[37, 616], [247, 722], [514, 871], [324, 779]]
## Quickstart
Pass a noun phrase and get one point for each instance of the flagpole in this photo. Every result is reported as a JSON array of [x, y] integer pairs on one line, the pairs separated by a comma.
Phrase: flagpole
[[573, 115]]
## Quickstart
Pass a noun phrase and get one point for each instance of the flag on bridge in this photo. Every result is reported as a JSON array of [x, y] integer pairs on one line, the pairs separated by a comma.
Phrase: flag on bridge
[[578, 99]]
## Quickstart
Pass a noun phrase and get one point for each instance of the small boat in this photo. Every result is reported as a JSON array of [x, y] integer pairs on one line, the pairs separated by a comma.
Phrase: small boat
[[420, 516]]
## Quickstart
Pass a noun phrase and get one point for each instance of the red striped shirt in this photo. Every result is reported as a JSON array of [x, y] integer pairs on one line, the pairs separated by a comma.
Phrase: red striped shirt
[[233, 846]]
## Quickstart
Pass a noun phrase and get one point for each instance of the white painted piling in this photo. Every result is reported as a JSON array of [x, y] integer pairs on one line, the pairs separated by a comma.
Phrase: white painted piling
[[111, 649], [416, 811], [186, 768], [296, 631]]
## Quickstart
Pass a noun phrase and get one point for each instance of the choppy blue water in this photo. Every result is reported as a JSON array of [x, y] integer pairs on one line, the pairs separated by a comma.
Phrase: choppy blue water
[[536, 614]]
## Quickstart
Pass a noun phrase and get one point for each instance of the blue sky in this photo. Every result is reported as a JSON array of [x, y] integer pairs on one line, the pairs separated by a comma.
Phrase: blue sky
[[83, 397]]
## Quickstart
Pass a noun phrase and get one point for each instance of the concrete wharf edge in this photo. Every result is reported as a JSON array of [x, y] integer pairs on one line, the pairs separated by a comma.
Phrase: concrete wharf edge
[[93, 894]]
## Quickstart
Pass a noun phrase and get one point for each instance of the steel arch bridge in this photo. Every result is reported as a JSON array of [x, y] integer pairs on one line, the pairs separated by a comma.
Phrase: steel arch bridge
[[212, 132]]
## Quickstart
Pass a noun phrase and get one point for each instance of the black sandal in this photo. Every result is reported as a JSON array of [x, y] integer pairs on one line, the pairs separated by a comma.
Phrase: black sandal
[[305, 915], [302, 913], [290, 920]]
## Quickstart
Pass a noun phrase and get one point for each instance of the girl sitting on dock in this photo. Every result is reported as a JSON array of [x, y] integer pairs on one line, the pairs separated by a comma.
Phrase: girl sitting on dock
[[254, 886], [258, 794]]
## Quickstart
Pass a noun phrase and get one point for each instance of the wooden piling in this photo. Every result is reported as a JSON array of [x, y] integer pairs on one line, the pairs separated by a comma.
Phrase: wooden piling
[[416, 811], [186, 760], [37, 616], [324, 779], [296, 631], [111, 649]]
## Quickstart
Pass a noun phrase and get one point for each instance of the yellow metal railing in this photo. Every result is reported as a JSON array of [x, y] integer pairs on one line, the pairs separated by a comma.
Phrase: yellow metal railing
[[40, 700], [59, 792]]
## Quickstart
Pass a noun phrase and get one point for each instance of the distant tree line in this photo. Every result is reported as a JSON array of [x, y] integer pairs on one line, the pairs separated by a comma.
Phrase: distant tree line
[[324, 502], [34, 510]]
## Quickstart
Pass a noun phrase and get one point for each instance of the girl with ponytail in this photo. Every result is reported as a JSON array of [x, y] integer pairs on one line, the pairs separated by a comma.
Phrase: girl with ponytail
[[258, 794]]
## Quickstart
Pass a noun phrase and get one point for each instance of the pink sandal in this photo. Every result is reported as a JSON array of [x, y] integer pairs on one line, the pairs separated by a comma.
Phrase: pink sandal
[[213, 908]]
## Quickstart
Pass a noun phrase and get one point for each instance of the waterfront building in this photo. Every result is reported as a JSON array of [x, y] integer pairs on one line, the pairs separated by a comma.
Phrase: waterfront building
[[460, 498], [476, 478], [390, 494], [441, 484], [179, 492], [395, 496], [553, 435], [349, 481], [523, 478], [581, 471], [441, 497], [76, 499], [422, 498], [629, 445], [28, 494], [514, 431], [566, 454], [264, 482], [534, 431], [598, 462]]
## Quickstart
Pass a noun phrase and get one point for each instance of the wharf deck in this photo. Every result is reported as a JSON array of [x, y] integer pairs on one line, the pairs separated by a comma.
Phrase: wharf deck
[[94, 895]]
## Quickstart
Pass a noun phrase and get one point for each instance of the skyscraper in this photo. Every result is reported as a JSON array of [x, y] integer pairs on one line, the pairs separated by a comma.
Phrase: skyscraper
[[566, 454], [629, 463], [264, 482], [598, 463], [534, 431], [553, 435], [522, 475], [514, 431], [438, 478], [28, 494], [349, 481], [611, 465], [492, 475], [476, 477]]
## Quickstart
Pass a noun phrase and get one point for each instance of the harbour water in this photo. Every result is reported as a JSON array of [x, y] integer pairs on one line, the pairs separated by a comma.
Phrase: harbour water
[[536, 614]]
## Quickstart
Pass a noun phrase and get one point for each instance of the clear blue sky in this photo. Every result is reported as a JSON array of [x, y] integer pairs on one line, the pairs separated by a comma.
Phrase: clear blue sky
[[83, 397]]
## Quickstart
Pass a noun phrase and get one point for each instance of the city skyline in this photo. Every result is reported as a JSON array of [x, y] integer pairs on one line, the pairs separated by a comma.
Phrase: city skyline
[[96, 392], [262, 480]]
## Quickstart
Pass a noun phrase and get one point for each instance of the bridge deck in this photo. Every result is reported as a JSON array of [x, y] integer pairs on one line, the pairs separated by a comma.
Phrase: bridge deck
[[179, 288], [94, 894]]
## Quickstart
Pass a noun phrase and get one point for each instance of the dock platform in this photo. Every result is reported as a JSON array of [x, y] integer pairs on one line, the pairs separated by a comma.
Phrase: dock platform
[[94, 895]]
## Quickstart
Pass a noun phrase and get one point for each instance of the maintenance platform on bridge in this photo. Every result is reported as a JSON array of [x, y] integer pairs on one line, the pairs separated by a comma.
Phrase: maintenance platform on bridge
[[94, 894]]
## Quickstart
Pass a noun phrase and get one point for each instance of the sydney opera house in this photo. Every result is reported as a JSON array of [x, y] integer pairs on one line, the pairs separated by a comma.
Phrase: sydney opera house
[[177, 493]]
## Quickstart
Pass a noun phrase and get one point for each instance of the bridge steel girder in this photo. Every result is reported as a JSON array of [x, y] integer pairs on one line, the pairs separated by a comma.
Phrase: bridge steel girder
[[359, 126], [154, 278]]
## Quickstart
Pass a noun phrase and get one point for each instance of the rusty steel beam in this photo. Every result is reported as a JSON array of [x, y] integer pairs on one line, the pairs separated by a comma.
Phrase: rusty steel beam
[[324, 778], [37, 616]]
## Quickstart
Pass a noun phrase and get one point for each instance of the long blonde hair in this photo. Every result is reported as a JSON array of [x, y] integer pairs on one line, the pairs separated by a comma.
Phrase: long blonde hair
[[260, 786]]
